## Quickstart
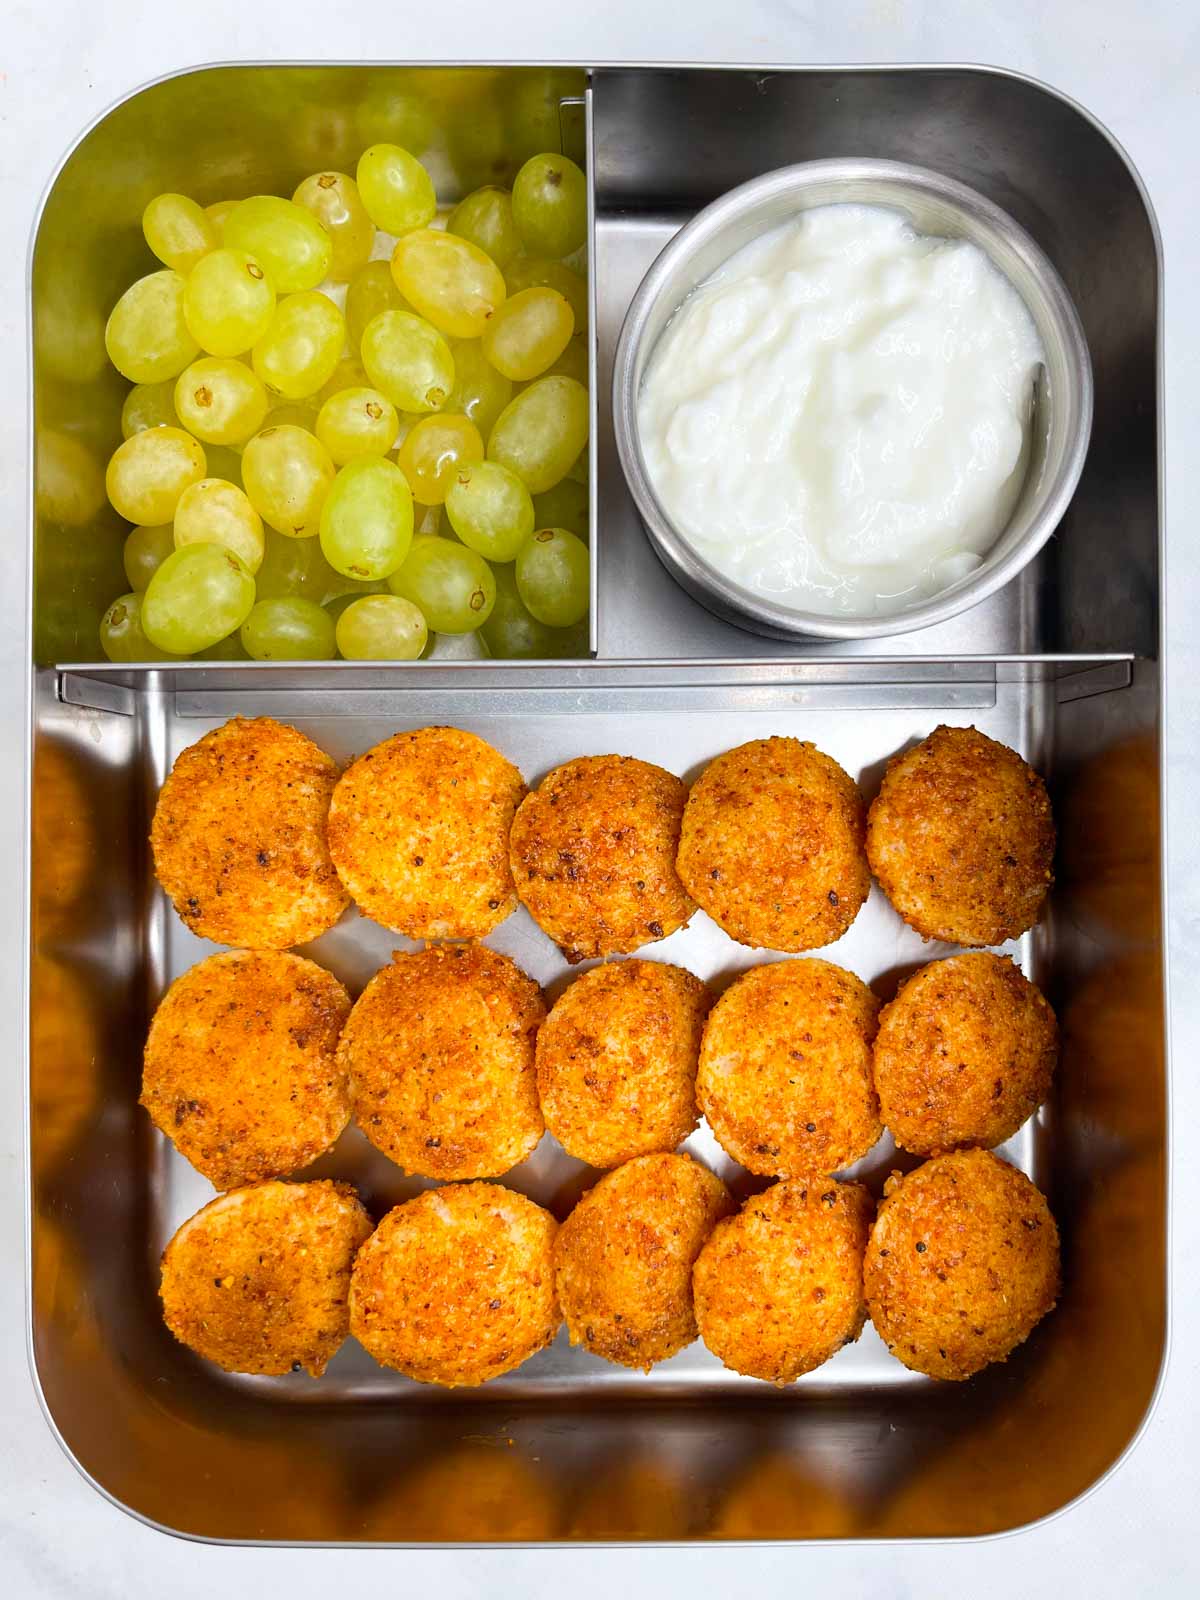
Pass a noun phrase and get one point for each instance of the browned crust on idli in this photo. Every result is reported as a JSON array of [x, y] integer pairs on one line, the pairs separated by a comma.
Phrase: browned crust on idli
[[961, 838], [779, 1287], [964, 1054], [418, 832], [616, 1061], [239, 836], [258, 1280], [962, 1264], [593, 855], [623, 1258], [241, 1070], [457, 1285], [771, 845], [440, 1052], [785, 1075]]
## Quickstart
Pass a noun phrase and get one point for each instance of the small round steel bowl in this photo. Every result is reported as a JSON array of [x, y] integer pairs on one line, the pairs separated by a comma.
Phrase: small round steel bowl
[[937, 206]]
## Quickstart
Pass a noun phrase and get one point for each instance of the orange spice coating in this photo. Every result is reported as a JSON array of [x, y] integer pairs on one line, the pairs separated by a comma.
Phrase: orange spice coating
[[964, 1054], [593, 855], [456, 1286], [439, 1049], [239, 836], [623, 1258], [616, 1061], [785, 1069], [241, 1068], [258, 1280], [961, 1265], [418, 832], [779, 1287], [961, 838], [772, 845]]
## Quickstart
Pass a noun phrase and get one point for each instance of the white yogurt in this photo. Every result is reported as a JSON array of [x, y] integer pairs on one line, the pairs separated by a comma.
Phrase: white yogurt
[[839, 418]]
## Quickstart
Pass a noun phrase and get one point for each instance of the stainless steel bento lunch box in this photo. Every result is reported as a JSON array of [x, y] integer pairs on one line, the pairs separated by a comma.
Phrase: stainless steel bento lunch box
[[1062, 663]]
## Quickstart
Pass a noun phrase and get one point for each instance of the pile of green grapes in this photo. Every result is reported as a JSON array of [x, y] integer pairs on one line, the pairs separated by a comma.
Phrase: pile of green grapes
[[357, 428]]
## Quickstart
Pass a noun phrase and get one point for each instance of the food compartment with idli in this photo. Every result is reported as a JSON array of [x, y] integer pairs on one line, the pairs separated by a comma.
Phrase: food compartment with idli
[[714, 1090]]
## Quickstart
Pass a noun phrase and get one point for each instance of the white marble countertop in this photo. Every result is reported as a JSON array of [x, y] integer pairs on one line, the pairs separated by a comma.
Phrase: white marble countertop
[[1137, 67]]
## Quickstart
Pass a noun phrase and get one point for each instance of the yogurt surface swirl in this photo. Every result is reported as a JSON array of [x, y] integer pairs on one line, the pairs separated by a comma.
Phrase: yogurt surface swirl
[[839, 418]]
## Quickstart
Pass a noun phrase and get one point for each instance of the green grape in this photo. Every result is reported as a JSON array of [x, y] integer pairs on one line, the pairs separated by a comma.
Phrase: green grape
[[121, 634], [367, 519], [288, 241], [573, 362], [149, 405], [577, 472], [454, 587], [541, 431], [550, 205], [485, 218], [381, 627], [434, 450], [148, 338], [292, 414], [178, 231], [396, 190], [552, 577], [368, 293], [340, 602], [228, 302], [357, 422], [476, 147], [287, 473], [288, 628], [334, 200], [230, 648], [215, 512], [532, 116], [299, 567], [565, 506], [448, 280], [528, 272], [490, 510], [528, 333], [145, 551], [479, 392], [348, 374], [224, 463], [511, 632], [294, 567], [199, 595], [299, 351], [391, 109], [220, 400], [218, 216], [408, 360], [149, 472]]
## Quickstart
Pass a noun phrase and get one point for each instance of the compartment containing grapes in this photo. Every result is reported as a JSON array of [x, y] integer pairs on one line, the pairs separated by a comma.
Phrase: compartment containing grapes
[[318, 381]]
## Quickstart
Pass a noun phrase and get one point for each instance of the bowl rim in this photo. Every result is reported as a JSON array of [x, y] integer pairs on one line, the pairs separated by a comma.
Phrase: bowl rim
[[696, 574]]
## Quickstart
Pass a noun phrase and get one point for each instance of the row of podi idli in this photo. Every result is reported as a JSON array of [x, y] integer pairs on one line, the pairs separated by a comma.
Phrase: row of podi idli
[[464, 1283], [448, 1062], [259, 841]]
